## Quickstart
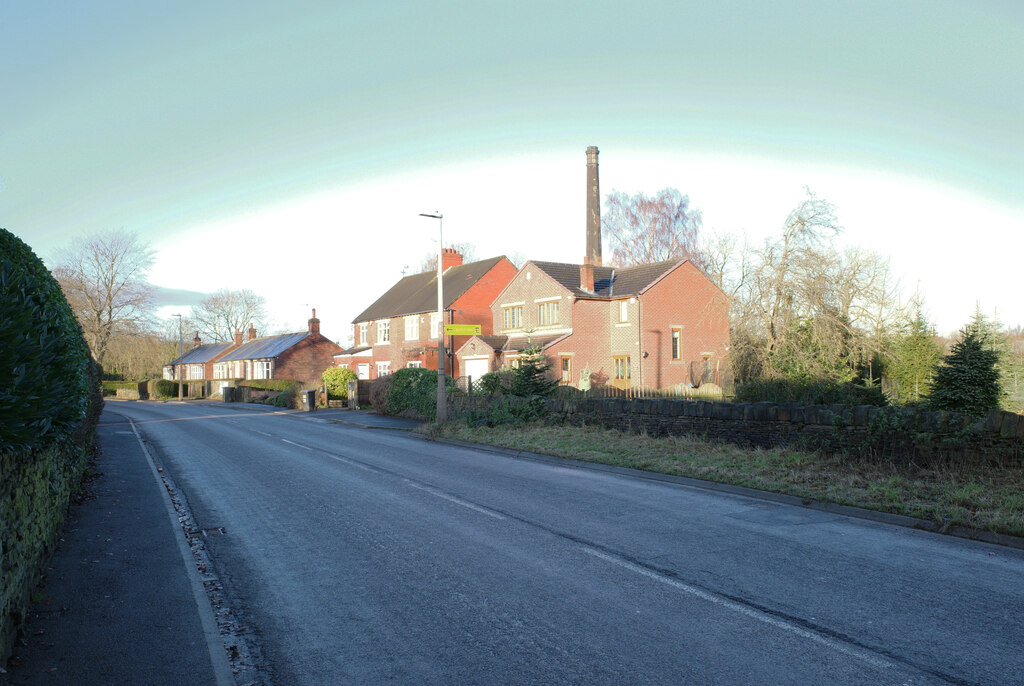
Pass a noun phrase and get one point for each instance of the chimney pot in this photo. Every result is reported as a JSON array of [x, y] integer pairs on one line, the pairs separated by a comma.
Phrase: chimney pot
[[450, 257], [196, 342], [251, 333], [314, 323], [238, 336], [587, 275]]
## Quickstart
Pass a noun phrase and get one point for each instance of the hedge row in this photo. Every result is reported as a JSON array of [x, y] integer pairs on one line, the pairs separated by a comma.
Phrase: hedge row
[[50, 400]]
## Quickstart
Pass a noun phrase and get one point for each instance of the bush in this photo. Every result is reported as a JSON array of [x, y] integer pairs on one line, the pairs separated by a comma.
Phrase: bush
[[531, 376], [415, 391], [380, 394], [809, 393], [284, 399], [497, 383], [336, 380], [271, 384], [50, 401], [110, 387], [163, 388]]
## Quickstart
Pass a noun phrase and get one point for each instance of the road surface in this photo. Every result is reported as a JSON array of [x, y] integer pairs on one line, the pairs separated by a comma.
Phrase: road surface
[[361, 556]]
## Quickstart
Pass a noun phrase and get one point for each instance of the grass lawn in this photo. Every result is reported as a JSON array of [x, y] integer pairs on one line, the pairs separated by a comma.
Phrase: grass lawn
[[975, 496]]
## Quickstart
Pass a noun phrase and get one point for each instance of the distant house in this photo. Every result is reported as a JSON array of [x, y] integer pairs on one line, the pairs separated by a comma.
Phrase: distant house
[[653, 325], [197, 364], [401, 327], [301, 356]]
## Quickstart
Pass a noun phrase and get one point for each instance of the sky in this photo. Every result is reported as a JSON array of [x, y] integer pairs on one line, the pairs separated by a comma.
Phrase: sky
[[289, 148]]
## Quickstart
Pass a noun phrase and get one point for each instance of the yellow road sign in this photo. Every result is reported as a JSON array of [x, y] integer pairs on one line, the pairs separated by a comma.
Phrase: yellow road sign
[[461, 329]]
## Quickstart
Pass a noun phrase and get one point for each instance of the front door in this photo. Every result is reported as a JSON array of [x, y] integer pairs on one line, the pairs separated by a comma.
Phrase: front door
[[621, 379]]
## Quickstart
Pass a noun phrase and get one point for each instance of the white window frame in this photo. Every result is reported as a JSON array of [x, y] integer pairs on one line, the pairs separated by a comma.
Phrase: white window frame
[[512, 317], [547, 313], [414, 364], [262, 369], [412, 328], [435, 325], [362, 334], [383, 369], [623, 311], [383, 332]]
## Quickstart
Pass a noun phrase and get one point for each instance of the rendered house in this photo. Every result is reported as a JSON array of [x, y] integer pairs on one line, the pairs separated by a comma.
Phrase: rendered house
[[653, 325], [400, 328], [198, 363], [301, 356]]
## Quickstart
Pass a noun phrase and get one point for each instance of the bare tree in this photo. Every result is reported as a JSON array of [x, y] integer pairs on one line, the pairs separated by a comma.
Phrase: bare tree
[[216, 318], [103, 277], [642, 229], [468, 251]]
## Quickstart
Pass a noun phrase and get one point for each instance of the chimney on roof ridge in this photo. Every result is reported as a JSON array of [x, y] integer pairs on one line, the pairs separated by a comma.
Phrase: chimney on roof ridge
[[587, 276], [450, 257], [251, 333], [593, 208], [314, 323], [238, 336], [196, 342]]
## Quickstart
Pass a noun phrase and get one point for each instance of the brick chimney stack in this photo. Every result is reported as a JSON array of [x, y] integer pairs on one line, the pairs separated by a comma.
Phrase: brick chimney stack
[[593, 209], [450, 257], [251, 333], [587, 276], [238, 336], [196, 342], [314, 323]]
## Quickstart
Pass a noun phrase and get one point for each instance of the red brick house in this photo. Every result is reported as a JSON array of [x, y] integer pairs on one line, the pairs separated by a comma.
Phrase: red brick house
[[653, 325], [301, 356], [400, 328]]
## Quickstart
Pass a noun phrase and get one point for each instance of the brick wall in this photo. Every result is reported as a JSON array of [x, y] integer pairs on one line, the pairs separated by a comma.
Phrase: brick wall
[[307, 360]]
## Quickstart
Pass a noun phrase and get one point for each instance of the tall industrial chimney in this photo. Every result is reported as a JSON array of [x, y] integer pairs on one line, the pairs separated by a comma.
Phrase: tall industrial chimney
[[593, 209]]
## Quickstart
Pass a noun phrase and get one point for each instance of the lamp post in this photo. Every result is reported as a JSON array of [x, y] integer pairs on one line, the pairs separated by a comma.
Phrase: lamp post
[[179, 356], [442, 403]]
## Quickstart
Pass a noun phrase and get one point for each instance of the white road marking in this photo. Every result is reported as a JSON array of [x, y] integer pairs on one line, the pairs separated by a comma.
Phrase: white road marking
[[457, 501], [298, 445], [744, 610]]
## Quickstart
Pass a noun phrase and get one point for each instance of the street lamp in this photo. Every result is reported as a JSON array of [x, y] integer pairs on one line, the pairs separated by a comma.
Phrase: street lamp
[[442, 403], [179, 355]]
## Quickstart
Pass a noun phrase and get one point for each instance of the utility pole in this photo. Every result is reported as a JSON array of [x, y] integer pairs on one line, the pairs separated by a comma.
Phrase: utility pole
[[442, 402], [180, 365]]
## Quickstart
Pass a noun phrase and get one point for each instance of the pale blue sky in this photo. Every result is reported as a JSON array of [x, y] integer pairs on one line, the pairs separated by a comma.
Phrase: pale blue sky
[[180, 120]]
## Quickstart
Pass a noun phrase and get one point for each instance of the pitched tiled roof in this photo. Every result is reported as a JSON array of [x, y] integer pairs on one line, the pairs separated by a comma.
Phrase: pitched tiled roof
[[264, 348], [519, 344], [609, 282], [202, 353], [417, 293], [352, 351]]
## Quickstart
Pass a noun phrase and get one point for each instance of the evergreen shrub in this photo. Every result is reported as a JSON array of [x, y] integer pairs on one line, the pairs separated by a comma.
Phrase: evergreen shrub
[[336, 380], [809, 392], [50, 400]]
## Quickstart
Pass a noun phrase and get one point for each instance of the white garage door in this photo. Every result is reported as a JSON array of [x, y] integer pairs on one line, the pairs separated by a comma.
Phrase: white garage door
[[476, 368]]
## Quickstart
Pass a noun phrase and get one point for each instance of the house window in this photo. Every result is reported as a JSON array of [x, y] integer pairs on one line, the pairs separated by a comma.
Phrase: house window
[[362, 334], [513, 317], [566, 369], [412, 328], [677, 343], [621, 367], [383, 369], [623, 311], [220, 371], [547, 313], [383, 331], [195, 371], [435, 325], [415, 364], [261, 370]]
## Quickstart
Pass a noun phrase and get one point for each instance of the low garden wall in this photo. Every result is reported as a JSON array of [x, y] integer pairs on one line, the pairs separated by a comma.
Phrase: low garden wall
[[902, 433]]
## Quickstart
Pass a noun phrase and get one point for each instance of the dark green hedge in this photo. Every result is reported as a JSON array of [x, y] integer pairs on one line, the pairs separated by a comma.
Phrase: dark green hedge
[[271, 384], [50, 400], [809, 393]]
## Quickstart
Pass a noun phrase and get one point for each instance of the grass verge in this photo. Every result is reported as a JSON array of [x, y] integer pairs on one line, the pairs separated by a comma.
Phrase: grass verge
[[977, 496]]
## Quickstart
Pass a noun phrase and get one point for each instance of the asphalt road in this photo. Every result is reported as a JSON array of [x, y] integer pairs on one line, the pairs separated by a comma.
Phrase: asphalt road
[[359, 556]]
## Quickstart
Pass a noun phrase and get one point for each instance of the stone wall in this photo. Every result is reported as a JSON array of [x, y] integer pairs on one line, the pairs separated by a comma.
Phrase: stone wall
[[900, 433]]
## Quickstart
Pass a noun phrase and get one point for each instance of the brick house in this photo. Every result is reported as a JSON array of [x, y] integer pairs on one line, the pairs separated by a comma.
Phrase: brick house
[[197, 363], [400, 328], [653, 325], [301, 356]]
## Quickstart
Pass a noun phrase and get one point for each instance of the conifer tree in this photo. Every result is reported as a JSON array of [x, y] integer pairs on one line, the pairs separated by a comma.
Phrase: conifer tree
[[968, 379]]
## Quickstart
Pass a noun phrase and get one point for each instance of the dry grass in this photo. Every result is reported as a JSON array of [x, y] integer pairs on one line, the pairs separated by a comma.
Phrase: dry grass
[[981, 497]]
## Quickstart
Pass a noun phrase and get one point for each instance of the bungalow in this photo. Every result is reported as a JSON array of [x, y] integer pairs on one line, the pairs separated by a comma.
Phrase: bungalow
[[198, 363], [301, 356], [401, 327]]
